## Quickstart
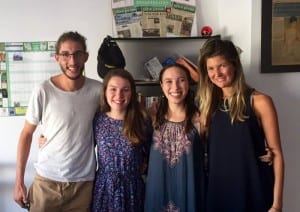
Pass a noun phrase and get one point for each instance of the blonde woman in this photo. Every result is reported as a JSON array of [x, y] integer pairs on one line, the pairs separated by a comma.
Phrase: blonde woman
[[240, 123]]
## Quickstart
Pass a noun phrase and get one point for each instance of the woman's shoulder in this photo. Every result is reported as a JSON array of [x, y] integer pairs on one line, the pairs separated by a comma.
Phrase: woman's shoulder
[[261, 103], [260, 97]]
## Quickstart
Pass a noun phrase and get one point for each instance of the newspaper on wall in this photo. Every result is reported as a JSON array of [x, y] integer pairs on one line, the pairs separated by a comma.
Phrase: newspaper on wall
[[153, 21], [180, 20], [152, 3], [148, 18], [188, 2], [127, 22], [121, 3]]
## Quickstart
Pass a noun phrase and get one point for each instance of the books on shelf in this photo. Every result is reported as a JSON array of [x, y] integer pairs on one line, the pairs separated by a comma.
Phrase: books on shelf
[[147, 101]]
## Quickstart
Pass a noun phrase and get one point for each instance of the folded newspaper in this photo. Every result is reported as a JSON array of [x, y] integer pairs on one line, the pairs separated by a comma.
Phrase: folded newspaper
[[153, 66]]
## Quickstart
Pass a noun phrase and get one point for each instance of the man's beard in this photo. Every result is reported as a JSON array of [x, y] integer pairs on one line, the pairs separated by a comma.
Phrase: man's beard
[[72, 78]]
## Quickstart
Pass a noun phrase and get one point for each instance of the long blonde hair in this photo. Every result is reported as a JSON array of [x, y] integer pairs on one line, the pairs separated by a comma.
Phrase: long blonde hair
[[209, 95]]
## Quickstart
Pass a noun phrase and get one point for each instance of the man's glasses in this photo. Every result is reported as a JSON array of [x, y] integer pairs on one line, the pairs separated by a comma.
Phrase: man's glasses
[[76, 55]]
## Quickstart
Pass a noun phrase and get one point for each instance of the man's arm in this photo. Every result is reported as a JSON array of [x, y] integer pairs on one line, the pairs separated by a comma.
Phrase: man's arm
[[24, 144]]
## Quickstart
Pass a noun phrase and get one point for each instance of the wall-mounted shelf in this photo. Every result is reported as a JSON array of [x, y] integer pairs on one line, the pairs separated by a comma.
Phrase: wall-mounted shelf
[[137, 51], [167, 38], [146, 83]]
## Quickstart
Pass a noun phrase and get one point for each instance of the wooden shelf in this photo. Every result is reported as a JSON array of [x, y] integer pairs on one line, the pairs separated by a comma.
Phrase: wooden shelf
[[146, 83]]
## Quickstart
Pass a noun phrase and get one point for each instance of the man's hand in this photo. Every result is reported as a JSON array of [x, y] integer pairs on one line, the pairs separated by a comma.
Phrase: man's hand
[[42, 141], [267, 158], [20, 195]]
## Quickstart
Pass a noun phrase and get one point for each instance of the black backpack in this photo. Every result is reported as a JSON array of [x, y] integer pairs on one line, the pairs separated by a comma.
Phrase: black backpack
[[109, 56]]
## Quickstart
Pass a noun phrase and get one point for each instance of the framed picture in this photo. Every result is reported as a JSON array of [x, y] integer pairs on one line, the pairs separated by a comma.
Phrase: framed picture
[[280, 36]]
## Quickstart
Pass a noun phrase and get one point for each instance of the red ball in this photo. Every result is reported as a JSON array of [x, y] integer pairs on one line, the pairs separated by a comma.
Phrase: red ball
[[206, 31]]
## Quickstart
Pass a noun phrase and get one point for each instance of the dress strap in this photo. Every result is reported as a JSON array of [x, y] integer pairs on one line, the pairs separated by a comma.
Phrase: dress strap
[[250, 93]]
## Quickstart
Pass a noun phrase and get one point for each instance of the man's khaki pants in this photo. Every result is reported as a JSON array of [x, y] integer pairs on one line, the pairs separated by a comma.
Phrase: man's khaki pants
[[51, 196]]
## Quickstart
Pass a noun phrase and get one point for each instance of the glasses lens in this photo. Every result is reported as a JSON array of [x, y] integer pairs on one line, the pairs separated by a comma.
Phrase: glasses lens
[[76, 55]]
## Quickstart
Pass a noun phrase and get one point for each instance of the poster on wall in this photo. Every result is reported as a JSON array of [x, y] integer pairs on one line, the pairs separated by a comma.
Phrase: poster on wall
[[280, 36], [149, 18], [23, 65]]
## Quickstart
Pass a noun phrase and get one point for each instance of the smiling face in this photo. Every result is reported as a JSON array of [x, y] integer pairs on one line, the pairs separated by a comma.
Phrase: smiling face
[[220, 72], [175, 85], [71, 59], [118, 94]]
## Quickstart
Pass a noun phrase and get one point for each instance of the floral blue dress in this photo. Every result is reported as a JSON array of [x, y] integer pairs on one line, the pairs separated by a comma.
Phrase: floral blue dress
[[119, 186], [175, 180]]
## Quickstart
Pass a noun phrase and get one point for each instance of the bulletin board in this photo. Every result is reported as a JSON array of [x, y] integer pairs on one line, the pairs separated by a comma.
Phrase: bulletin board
[[23, 65]]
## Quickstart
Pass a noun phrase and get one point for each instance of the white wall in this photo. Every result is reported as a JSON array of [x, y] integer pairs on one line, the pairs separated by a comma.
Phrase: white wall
[[285, 90], [35, 20]]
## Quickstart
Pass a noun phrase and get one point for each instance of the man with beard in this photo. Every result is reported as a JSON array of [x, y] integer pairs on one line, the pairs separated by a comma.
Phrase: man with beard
[[64, 106]]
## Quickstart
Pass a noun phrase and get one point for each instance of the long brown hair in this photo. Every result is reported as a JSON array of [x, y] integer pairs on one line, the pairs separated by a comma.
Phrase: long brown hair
[[136, 117], [190, 107]]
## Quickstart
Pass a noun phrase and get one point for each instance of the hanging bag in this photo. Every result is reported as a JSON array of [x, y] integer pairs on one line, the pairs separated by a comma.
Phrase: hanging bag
[[109, 56]]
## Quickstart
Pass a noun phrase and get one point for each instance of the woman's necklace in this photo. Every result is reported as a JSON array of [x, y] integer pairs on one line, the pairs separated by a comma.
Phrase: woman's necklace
[[225, 106]]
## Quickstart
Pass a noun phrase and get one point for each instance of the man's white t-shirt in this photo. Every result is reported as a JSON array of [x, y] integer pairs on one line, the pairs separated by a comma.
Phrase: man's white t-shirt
[[66, 120]]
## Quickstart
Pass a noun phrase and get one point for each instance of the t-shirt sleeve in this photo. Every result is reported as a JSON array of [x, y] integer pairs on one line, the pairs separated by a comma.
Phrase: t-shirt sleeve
[[34, 109]]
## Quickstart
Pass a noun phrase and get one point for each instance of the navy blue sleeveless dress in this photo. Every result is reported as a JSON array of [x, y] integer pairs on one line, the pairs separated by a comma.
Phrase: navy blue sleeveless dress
[[237, 180]]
